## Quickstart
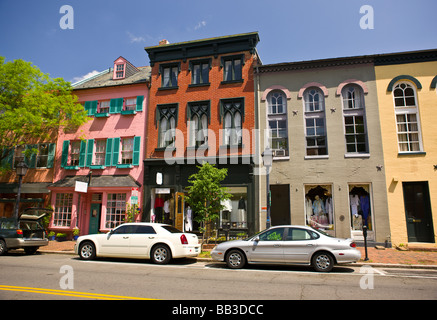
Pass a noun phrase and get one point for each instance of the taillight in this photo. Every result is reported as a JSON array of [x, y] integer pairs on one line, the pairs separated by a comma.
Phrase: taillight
[[353, 245], [184, 239], [19, 231]]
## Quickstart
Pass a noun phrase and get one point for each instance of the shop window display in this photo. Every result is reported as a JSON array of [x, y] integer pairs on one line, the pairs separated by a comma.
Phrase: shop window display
[[319, 211], [234, 213], [360, 209]]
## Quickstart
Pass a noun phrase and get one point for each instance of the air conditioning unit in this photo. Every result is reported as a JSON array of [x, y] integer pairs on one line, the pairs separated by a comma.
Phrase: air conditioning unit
[[279, 153]]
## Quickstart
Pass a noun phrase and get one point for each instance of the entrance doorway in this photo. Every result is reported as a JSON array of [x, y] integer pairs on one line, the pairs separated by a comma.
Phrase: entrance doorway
[[94, 218], [418, 212], [280, 206]]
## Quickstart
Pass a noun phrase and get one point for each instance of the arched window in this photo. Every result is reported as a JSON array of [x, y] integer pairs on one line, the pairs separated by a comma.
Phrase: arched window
[[167, 115], [315, 128], [198, 117], [232, 111], [277, 123], [354, 119], [407, 117]]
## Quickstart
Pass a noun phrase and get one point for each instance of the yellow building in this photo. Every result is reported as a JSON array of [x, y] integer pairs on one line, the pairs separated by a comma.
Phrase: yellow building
[[407, 99]]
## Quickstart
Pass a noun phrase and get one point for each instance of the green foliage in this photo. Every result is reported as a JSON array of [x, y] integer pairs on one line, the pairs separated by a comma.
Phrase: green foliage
[[131, 212], [33, 105], [206, 193]]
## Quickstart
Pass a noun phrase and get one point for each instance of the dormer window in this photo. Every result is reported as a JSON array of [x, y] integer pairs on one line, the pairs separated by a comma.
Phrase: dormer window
[[119, 71]]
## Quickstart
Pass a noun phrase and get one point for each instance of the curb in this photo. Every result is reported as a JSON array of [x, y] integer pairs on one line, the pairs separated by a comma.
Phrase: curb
[[357, 264]]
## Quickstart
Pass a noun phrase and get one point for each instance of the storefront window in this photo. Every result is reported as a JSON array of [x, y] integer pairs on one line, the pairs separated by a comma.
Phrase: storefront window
[[319, 209], [115, 209], [360, 208], [63, 209], [234, 214]]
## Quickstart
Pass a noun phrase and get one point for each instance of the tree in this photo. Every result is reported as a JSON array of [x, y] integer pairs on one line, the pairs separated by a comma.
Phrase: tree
[[206, 194], [34, 106]]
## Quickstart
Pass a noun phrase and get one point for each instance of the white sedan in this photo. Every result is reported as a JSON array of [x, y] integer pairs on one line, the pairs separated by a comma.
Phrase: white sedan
[[155, 241]]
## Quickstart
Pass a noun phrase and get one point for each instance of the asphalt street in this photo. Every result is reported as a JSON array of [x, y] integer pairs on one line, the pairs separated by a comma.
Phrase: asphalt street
[[48, 276]]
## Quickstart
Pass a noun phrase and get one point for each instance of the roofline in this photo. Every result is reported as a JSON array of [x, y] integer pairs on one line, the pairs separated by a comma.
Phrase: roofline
[[91, 78]]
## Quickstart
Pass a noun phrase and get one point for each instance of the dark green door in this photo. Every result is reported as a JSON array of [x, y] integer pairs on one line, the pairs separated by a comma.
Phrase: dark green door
[[418, 212], [94, 218]]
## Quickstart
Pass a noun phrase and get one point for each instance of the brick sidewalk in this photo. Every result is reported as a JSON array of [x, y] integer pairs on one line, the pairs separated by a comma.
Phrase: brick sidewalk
[[386, 256]]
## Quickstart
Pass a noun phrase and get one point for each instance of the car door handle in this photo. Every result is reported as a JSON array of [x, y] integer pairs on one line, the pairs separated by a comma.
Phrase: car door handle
[[125, 237], [276, 245], [151, 237], [310, 245]]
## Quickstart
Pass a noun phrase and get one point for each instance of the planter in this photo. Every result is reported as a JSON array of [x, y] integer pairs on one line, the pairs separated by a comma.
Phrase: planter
[[51, 238], [75, 237]]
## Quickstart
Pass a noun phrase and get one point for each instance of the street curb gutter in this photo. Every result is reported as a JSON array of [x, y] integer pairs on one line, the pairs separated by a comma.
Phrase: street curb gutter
[[358, 264]]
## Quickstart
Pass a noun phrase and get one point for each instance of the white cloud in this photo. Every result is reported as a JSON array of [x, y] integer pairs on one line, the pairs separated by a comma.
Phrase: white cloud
[[201, 24], [88, 75], [134, 38]]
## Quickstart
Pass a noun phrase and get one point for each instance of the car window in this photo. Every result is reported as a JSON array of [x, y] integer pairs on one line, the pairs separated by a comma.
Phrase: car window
[[124, 229], [8, 225], [145, 230], [171, 229], [295, 234], [272, 235]]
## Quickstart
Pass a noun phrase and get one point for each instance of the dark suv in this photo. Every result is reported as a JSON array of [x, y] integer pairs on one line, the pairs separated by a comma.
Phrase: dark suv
[[29, 235]]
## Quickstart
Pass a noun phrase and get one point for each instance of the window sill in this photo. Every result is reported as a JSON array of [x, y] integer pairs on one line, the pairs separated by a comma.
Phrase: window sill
[[284, 158], [168, 88], [357, 155], [71, 167], [232, 81], [124, 166], [97, 167], [128, 112], [316, 157], [101, 115], [412, 153], [160, 149], [195, 85], [232, 146]]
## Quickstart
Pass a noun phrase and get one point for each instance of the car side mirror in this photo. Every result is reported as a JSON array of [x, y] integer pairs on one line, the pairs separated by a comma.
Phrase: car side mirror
[[256, 239]]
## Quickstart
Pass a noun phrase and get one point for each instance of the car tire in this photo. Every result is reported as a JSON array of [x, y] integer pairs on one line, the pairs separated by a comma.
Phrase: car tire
[[30, 250], [87, 250], [3, 248], [161, 254], [322, 262], [235, 259]]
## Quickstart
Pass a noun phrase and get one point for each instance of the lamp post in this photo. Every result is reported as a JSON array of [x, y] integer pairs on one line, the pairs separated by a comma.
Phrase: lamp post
[[21, 170], [267, 161]]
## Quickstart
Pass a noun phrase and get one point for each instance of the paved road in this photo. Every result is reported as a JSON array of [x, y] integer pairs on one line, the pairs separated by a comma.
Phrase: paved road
[[56, 276]]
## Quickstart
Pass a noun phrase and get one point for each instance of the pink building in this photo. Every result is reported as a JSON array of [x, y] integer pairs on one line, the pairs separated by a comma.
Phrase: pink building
[[99, 177]]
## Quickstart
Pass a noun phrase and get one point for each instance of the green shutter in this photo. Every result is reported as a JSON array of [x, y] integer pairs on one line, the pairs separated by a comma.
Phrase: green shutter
[[7, 158], [31, 162], [115, 151], [116, 105], [108, 156], [140, 100], [89, 152], [51, 157], [65, 150], [91, 107], [136, 154], [82, 154]]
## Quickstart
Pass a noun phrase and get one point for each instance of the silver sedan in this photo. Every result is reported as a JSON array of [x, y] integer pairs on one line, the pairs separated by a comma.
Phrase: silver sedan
[[297, 245]]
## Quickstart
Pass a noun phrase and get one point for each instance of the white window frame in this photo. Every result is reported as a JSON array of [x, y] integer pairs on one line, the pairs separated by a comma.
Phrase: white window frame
[[311, 113], [405, 111]]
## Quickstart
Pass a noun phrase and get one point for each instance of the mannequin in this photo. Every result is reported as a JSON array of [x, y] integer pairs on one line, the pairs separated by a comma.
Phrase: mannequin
[[166, 211], [189, 220], [242, 212], [159, 204]]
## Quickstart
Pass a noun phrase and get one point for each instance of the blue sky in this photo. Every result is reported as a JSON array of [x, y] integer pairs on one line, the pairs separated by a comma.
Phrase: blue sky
[[289, 30]]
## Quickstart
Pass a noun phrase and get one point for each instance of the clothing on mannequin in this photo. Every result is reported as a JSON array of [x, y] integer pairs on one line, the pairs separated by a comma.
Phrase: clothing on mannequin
[[365, 207], [355, 201], [242, 212], [159, 204]]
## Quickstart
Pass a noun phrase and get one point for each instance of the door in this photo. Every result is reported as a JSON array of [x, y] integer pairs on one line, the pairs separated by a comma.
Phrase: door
[[268, 247], [298, 246], [94, 218], [117, 242], [179, 211], [141, 240], [280, 205], [418, 212]]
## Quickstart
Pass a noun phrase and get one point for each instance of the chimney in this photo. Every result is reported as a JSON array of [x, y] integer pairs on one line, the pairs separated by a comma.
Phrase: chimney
[[163, 42]]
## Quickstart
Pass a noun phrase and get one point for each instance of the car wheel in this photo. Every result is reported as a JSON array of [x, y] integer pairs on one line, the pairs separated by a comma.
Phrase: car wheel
[[235, 259], [87, 251], [3, 248], [323, 262], [30, 250], [161, 254]]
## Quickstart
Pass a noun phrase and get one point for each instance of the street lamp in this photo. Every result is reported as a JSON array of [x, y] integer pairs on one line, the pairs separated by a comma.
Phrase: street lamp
[[21, 170], [267, 157]]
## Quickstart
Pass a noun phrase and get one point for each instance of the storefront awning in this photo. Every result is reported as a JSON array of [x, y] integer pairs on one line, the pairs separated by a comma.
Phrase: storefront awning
[[37, 187], [97, 182]]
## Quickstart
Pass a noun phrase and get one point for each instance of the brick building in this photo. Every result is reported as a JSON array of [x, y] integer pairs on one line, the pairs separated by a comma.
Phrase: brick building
[[201, 108]]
